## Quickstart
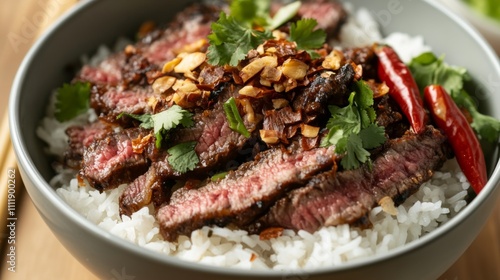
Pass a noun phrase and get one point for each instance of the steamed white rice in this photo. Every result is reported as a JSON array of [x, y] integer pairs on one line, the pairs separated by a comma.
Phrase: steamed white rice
[[435, 203]]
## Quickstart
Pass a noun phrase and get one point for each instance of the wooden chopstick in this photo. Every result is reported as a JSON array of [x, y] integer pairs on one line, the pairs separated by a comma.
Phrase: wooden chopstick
[[5, 145], [9, 176], [7, 157]]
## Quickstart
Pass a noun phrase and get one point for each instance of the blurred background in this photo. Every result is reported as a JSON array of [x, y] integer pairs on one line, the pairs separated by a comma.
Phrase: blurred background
[[484, 15], [41, 256]]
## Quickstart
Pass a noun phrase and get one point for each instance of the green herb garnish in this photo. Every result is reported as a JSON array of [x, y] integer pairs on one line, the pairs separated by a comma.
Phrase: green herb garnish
[[72, 100], [249, 25], [183, 157], [352, 128], [163, 122], [234, 118], [429, 69], [307, 38], [251, 12], [219, 176], [284, 14], [230, 41]]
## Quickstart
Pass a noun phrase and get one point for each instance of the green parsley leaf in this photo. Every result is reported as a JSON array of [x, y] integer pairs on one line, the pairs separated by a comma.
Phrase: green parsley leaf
[[355, 153], [171, 118], [486, 127], [72, 100], [352, 128], [145, 119], [428, 69], [230, 41], [163, 122], [234, 118], [304, 34], [183, 157], [372, 136]]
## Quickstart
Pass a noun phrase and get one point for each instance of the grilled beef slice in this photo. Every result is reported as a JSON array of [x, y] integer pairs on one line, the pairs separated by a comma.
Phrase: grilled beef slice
[[80, 137], [333, 198], [330, 15], [111, 161], [156, 48], [243, 194], [110, 102], [217, 147]]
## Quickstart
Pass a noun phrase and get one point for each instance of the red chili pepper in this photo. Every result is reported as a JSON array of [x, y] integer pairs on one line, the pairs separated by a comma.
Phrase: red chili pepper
[[402, 86], [464, 142]]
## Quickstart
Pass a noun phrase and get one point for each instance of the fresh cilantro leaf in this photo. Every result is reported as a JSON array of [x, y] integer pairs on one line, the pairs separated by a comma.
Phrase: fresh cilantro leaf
[[72, 100], [284, 14], [234, 118], [428, 69], [355, 153], [303, 33], [145, 119], [364, 96], [352, 128], [163, 122], [230, 41], [183, 157], [486, 127], [372, 136], [171, 118]]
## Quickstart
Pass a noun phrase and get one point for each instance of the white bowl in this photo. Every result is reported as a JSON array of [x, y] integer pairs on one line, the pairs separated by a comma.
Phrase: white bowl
[[488, 27], [92, 23]]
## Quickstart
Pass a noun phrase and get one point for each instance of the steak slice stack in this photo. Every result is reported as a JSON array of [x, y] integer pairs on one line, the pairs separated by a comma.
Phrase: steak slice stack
[[243, 194], [332, 198], [216, 146], [282, 179], [111, 160], [154, 49]]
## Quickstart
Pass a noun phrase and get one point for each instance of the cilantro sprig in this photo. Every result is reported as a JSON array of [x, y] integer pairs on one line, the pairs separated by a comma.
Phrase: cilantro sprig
[[182, 157], [230, 41], [429, 69], [163, 122], [72, 100], [249, 24], [307, 38], [257, 13], [352, 128]]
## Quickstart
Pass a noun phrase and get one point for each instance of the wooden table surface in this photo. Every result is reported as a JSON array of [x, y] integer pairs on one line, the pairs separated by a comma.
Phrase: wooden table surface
[[39, 255]]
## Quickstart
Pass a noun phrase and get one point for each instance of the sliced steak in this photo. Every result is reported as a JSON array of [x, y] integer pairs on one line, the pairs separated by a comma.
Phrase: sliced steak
[[243, 194], [80, 137], [192, 25], [217, 147], [390, 117], [145, 189], [161, 45], [107, 72], [334, 198], [330, 15], [109, 102], [112, 160]]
